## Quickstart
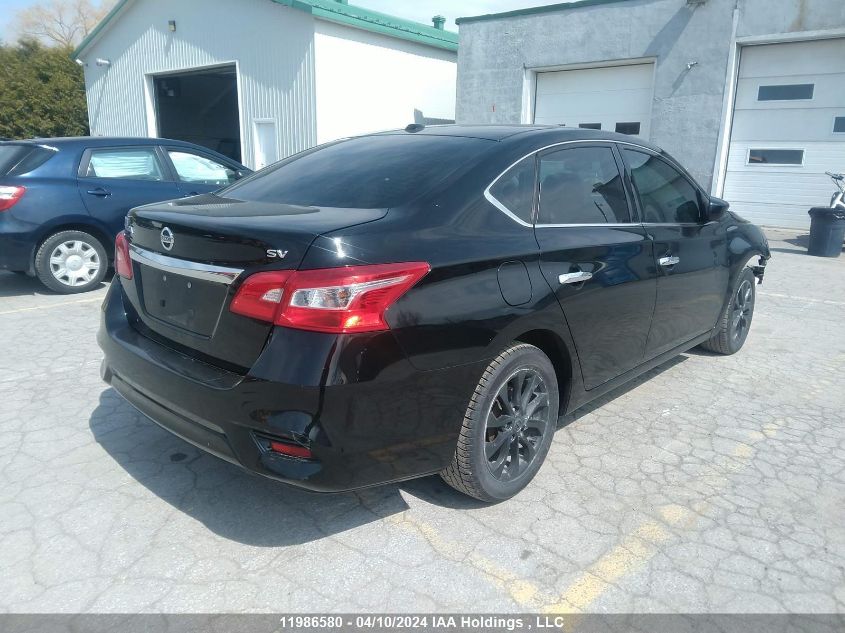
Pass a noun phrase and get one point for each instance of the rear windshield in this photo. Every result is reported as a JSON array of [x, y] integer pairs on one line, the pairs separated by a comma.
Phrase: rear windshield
[[371, 172], [21, 159]]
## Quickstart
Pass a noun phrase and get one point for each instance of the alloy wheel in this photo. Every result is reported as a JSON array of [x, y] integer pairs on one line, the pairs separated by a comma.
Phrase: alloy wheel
[[516, 423], [742, 308], [74, 263]]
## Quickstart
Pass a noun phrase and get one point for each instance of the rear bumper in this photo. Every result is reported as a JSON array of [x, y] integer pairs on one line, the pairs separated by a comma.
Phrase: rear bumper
[[397, 424], [17, 244]]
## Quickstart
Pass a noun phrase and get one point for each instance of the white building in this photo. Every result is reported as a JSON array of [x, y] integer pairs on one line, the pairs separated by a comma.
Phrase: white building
[[259, 80], [748, 94]]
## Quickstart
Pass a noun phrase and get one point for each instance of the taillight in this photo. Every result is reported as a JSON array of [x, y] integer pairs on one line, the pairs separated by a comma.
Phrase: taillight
[[9, 196], [337, 300], [260, 295], [122, 262]]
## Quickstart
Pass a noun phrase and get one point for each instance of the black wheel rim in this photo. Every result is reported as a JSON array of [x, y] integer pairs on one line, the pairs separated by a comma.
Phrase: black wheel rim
[[743, 307], [516, 424]]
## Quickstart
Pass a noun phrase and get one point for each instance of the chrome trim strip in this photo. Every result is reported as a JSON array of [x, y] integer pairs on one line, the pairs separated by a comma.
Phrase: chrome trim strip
[[609, 225], [675, 223], [204, 272], [492, 199]]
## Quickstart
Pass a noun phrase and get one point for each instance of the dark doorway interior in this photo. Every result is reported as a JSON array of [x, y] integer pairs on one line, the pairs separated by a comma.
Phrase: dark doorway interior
[[201, 107]]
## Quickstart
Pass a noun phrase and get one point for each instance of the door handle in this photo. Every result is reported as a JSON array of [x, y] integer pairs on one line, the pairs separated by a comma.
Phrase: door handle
[[575, 278], [99, 192], [668, 261]]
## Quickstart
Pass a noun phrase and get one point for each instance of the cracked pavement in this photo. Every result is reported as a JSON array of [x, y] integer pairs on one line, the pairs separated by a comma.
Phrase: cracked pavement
[[710, 485]]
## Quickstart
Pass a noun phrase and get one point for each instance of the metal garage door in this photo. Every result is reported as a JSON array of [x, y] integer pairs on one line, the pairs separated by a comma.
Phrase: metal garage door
[[614, 98], [788, 129]]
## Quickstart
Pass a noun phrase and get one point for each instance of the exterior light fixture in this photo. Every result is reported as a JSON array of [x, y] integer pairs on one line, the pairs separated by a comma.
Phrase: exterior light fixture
[[171, 26], [103, 62]]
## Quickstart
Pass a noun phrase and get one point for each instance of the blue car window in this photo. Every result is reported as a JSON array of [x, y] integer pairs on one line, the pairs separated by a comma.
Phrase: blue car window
[[193, 168], [130, 164]]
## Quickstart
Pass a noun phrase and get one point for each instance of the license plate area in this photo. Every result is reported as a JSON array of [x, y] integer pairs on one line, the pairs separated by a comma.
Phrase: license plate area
[[185, 302]]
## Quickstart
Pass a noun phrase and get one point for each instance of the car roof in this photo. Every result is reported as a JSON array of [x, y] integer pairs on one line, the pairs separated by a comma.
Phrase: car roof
[[539, 133]]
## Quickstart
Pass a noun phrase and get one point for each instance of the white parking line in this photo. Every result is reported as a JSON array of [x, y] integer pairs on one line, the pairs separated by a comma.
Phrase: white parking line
[[802, 299], [51, 305]]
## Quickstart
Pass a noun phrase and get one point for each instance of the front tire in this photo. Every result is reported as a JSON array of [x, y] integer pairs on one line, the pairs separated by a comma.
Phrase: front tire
[[735, 322], [71, 261], [508, 426]]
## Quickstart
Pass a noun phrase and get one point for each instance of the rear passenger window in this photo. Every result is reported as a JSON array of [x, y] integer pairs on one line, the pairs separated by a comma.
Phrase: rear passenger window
[[193, 168], [666, 195], [515, 189], [129, 163], [16, 160], [581, 186]]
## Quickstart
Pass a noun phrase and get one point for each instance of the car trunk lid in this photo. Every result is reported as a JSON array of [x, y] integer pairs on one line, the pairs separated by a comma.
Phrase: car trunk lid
[[190, 255]]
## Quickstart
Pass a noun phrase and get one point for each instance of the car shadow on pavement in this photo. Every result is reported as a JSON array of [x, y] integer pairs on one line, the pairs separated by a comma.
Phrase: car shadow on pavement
[[20, 285], [800, 242], [598, 403], [239, 505], [250, 509]]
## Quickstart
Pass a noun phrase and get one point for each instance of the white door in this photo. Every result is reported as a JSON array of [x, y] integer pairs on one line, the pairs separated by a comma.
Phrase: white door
[[613, 98], [788, 129], [266, 147]]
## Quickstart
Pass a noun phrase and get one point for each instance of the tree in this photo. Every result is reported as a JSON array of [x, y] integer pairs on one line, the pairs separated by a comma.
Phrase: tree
[[43, 92], [63, 23]]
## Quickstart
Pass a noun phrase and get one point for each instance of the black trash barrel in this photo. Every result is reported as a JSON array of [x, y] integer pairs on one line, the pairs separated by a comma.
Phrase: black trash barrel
[[827, 231]]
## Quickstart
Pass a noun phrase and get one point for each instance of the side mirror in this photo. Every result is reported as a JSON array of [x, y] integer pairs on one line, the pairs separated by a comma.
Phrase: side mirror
[[717, 208]]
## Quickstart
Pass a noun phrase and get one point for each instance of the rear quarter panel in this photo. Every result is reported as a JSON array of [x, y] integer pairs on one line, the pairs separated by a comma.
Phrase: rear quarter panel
[[457, 314]]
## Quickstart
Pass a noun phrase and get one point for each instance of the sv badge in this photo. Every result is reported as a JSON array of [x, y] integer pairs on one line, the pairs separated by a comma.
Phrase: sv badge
[[273, 253]]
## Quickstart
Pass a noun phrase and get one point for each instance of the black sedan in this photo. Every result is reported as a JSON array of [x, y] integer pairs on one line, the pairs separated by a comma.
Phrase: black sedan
[[421, 301]]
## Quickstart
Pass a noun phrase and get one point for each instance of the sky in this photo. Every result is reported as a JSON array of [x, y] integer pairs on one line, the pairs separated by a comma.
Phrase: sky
[[419, 10]]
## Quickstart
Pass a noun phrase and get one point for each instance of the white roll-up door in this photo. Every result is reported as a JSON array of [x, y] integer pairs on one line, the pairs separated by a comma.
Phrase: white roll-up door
[[611, 98], [788, 129]]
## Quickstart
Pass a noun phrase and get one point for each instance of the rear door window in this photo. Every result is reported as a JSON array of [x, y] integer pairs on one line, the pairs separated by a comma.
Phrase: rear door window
[[369, 172], [136, 163], [581, 185], [193, 168]]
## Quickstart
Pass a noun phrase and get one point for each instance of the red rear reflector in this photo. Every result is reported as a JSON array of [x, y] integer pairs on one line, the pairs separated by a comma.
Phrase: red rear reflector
[[122, 262], [9, 196], [336, 300], [291, 450]]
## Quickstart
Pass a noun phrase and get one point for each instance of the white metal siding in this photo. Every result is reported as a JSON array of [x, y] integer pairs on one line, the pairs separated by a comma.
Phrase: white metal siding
[[273, 46], [607, 95], [781, 195], [367, 82]]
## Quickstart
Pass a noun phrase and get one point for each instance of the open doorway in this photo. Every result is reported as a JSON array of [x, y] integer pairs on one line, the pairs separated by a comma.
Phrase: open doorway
[[200, 106]]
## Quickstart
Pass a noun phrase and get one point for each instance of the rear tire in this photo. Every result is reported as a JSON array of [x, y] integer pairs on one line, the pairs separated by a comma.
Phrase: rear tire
[[68, 262], [508, 426], [735, 322]]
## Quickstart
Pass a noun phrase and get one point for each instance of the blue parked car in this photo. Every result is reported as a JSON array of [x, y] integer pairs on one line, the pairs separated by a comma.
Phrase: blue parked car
[[63, 200]]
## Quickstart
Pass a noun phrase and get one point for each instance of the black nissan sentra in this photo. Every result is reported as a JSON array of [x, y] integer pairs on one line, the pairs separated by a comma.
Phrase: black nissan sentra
[[421, 301]]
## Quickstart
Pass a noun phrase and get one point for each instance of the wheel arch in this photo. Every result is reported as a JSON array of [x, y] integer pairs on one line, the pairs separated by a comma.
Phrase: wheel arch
[[72, 224], [553, 346]]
